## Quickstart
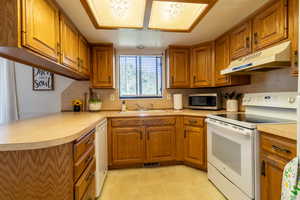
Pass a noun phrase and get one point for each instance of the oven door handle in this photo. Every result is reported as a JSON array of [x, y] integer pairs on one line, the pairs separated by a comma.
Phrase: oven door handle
[[239, 130]]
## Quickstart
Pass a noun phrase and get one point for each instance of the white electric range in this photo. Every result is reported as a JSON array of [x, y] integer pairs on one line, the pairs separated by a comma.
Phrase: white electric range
[[233, 142]]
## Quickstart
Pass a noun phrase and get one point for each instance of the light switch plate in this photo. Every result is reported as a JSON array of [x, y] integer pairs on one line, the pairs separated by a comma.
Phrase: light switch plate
[[112, 97]]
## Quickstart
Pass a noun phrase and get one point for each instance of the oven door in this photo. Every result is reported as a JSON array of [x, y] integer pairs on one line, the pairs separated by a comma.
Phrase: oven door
[[231, 151]]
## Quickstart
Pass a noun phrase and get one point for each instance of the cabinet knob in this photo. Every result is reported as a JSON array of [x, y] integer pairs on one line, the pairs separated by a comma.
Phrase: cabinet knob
[[58, 48], [255, 38], [263, 168], [248, 42], [296, 58], [141, 135]]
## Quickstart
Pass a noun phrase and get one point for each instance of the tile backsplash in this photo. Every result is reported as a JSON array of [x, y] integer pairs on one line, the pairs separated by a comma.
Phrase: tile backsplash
[[273, 81], [111, 101]]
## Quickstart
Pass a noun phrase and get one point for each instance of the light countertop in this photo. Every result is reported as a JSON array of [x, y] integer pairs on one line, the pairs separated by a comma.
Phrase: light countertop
[[283, 130], [61, 128]]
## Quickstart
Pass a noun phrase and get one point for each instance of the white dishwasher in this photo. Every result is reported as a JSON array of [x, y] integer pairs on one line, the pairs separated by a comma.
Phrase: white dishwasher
[[101, 156]]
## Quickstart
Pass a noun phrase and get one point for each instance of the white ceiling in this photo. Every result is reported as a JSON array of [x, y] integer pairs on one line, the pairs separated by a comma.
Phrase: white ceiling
[[224, 15]]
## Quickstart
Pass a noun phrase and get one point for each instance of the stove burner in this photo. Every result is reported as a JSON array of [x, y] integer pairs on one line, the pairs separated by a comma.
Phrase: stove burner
[[255, 119]]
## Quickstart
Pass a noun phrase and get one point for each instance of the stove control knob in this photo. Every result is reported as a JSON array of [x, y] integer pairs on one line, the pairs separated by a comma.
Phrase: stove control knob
[[291, 100]]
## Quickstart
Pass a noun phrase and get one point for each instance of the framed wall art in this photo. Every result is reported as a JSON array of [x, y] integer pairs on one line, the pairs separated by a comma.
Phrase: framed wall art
[[42, 80]]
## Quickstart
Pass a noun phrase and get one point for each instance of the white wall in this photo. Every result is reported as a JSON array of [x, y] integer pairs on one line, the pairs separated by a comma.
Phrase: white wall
[[37, 103]]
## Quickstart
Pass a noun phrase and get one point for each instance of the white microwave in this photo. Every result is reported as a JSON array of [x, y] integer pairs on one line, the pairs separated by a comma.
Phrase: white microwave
[[211, 101]]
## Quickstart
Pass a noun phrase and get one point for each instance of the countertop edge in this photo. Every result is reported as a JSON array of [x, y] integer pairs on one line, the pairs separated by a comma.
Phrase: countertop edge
[[49, 143]]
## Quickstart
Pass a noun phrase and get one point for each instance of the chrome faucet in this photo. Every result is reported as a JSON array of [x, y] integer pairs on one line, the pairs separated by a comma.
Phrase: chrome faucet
[[140, 107]]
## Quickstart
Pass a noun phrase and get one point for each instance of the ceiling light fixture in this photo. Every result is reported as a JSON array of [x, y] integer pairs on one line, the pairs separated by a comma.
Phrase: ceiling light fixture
[[178, 16], [119, 7], [173, 10], [114, 14]]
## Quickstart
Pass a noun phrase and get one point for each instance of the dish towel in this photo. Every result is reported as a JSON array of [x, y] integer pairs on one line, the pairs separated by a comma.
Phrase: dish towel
[[290, 181]]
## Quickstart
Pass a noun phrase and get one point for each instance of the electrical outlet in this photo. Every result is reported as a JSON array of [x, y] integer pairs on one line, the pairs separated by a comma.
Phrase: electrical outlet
[[112, 97], [168, 96]]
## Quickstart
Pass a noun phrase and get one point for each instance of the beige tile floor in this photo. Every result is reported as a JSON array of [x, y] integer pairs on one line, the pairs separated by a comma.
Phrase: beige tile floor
[[162, 183]]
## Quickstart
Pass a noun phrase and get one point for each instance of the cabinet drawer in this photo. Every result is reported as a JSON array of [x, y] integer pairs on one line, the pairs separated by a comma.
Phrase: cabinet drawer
[[85, 181], [82, 145], [127, 122], [278, 146], [193, 121], [83, 162], [90, 192], [160, 121]]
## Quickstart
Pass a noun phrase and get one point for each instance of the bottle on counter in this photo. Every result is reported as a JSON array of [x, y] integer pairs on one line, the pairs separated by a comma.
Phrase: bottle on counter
[[123, 106]]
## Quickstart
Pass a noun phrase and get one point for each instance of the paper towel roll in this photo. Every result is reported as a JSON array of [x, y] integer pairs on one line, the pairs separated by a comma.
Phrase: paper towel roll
[[177, 101]]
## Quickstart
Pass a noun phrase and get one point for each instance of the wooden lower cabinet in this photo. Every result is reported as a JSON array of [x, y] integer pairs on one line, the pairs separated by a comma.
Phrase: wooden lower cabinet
[[275, 153], [194, 149], [128, 145], [271, 177], [49, 173], [160, 144], [168, 139], [135, 141]]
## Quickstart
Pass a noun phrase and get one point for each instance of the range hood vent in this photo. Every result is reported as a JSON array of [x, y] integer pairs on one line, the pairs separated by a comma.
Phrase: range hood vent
[[265, 60]]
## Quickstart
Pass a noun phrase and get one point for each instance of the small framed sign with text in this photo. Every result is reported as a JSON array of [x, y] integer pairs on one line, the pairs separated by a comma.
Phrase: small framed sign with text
[[42, 80]]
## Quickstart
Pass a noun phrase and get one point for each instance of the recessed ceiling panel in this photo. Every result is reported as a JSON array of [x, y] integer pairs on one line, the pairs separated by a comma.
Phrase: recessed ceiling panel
[[175, 16], [116, 13]]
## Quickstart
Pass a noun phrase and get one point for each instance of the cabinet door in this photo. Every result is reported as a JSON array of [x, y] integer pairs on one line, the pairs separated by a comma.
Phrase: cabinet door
[[270, 26], [41, 27], [201, 68], [102, 67], [221, 60], [271, 177], [128, 145], [160, 143], [179, 67], [194, 146], [84, 56], [240, 41], [294, 33], [69, 44]]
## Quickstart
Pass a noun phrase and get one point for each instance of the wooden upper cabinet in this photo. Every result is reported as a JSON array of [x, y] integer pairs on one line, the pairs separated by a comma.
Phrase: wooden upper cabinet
[[293, 13], [128, 145], [221, 60], [160, 143], [40, 27], [201, 66], [84, 56], [240, 41], [270, 26], [69, 44], [194, 146], [178, 67], [103, 67]]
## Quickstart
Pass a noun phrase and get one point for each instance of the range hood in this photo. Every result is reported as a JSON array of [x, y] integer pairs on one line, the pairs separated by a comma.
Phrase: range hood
[[274, 57]]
